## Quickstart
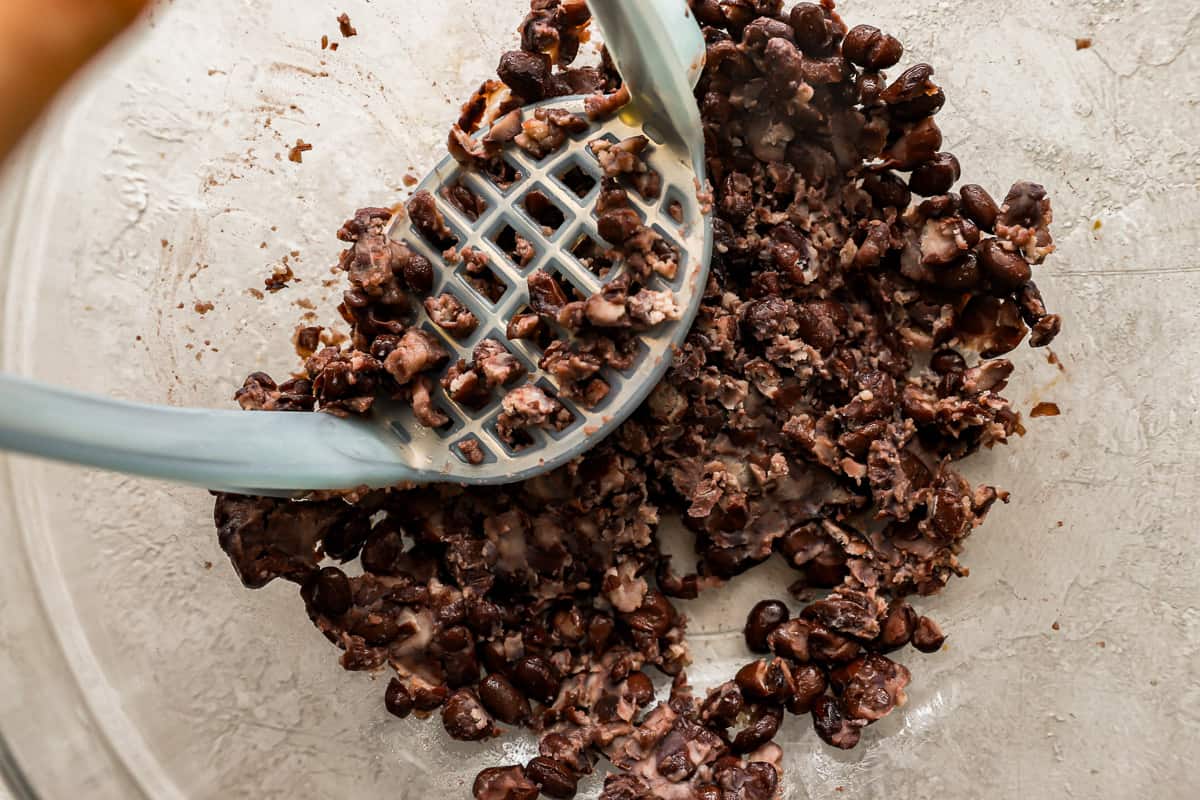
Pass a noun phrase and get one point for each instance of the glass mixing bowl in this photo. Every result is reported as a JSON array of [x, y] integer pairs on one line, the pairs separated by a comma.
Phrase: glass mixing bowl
[[135, 665]]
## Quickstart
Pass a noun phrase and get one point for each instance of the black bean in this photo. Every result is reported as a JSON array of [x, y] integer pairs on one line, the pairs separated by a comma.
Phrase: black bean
[[428, 698], [569, 625], [483, 617], [811, 28], [525, 73], [764, 781], [537, 677], [784, 63], [963, 274], [382, 550], [600, 630], [871, 48], [656, 615], [639, 688], [377, 628], [1045, 330], [769, 681], [928, 636], [871, 687], [618, 225], [886, 189], [810, 684], [554, 778], [979, 206], [915, 146], [935, 177], [723, 705], [1007, 269], [465, 718], [1023, 204], [707, 791], [827, 647], [765, 617], [763, 725], [830, 722], [901, 620], [790, 639], [843, 615], [503, 700], [504, 783], [331, 593], [397, 699], [869, 86], [418, 273]]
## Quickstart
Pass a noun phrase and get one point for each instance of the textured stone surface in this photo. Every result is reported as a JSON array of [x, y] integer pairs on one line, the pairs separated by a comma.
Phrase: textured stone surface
[[205, 690]]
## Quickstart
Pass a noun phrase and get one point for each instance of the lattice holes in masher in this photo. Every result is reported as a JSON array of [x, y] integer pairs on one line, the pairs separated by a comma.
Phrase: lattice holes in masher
[[551, 207]]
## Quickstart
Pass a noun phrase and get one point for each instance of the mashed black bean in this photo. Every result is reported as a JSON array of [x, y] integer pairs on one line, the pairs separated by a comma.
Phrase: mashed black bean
[[798, 418]]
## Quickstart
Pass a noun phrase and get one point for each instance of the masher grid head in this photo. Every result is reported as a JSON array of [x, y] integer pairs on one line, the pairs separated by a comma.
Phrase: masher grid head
[[435, 451]]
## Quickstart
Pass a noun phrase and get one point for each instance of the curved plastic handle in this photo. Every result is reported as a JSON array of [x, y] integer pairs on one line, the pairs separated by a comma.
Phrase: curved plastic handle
[[659, 49], [228, 450]]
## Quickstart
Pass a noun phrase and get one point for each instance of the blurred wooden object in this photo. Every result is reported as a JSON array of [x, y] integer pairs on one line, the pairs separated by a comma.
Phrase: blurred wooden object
[[42, 44]]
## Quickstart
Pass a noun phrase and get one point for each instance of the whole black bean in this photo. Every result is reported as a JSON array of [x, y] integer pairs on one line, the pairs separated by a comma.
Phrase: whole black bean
[[979, 206], [872, 48], [763, 30], [418, 273], [554, 778], [493, 656], [928, 636], [537, 677], [382, 550], [503, 700], [1007, 269], [811, 28], [960, 276], [331, 593], [901, 620], [465, 719], [397, 699], [639, 688], [830, 722], [810, 684], [763, 725], [886, 189], [452, 640], [765, 617], [935, 177]]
